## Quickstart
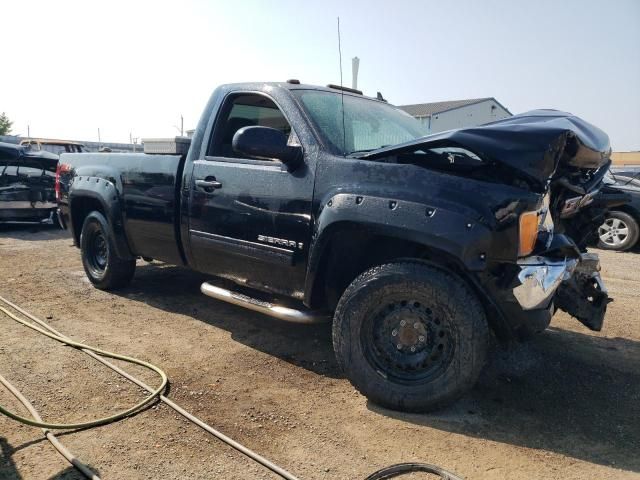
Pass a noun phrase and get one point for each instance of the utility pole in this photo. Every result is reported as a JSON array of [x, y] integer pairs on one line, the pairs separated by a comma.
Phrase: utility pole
[[134, 141], [99, 140], [28, 131]]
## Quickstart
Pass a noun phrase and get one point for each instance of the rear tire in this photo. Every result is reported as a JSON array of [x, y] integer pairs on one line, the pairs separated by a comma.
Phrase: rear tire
[[410, 337], [104, 268], [619, 231]]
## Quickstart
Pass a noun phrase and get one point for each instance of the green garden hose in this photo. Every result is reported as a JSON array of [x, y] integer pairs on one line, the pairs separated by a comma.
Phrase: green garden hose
[[385, 473], [192, 418], [70, 457], [94, 423]]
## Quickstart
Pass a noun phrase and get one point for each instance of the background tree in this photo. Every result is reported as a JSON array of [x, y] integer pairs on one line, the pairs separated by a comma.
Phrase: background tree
[[5, 124]]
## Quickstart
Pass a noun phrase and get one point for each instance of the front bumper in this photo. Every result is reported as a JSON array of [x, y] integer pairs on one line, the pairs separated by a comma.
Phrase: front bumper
[[539, 279], [584, 296], [573, 284]]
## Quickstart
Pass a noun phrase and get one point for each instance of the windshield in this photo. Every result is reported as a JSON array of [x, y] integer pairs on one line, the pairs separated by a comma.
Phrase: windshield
[[368, 124]]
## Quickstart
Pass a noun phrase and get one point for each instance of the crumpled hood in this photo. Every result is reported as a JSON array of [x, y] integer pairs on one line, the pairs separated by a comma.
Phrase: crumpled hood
[[535, 143]]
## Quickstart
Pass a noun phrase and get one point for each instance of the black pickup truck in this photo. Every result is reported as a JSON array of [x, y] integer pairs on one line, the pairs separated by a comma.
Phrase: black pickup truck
[[337, 206]]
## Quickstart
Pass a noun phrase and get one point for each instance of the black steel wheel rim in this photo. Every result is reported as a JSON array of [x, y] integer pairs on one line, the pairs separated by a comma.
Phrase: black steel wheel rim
[[408, 341], [98, 252]]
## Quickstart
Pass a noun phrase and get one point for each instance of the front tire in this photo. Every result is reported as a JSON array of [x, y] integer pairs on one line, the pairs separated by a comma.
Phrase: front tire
[[410, 337], [619, 231], [104, 268]]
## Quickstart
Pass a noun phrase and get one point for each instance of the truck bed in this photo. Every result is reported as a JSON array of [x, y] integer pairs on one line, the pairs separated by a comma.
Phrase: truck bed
[[147, 187]]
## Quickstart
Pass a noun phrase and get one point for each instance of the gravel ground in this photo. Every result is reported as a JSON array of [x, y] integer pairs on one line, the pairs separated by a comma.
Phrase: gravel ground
[[564, 406]]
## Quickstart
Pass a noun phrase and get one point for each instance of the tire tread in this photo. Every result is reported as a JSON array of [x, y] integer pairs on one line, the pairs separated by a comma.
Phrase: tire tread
[[436, 278]]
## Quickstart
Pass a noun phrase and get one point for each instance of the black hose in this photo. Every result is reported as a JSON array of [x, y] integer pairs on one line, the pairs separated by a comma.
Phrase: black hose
[[405, 468]]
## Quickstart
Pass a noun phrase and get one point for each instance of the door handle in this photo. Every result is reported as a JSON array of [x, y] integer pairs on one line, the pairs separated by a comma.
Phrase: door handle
[[209, 184]]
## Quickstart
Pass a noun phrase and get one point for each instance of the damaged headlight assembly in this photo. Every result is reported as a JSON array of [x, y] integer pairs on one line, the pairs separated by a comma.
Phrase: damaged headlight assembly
[[532, 225], [539, 276]]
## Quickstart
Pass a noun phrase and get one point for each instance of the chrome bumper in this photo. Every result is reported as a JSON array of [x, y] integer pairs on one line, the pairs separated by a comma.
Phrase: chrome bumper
[[539, 279]]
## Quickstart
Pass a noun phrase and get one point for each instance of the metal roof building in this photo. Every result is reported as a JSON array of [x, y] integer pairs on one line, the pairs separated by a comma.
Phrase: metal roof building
[[441, 116]]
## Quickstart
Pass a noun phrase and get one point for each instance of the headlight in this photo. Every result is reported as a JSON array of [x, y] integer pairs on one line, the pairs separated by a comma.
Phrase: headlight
[[528, 232], [531, 224]]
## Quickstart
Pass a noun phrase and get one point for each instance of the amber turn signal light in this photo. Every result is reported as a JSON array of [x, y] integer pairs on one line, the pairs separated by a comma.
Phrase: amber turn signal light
[[528, 233]]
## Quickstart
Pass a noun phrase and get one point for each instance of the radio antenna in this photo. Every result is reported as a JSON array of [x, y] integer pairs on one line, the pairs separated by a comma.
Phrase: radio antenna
[[344, 132]]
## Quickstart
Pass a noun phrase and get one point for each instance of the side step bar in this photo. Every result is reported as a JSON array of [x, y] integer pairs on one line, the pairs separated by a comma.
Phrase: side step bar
[[283, 313]]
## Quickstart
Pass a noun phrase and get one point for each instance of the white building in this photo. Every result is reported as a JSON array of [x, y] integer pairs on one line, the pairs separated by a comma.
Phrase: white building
[[441, 116]]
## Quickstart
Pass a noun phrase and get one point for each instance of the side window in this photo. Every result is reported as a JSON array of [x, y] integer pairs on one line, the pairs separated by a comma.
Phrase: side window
[[54, 148], [243, 111]]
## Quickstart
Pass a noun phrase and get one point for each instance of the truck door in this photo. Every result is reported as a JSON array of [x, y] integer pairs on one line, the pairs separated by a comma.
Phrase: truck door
[[249, 219]]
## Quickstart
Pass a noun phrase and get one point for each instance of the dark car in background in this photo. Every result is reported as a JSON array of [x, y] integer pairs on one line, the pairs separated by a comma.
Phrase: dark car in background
[[27, 184], [621, 227], [626, 170]]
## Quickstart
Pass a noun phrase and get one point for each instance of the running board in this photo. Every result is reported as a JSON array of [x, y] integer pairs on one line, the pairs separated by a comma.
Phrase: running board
[[283, 313]]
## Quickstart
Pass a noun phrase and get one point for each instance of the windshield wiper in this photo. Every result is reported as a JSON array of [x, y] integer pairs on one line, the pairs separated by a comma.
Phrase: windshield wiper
[[357, 153]]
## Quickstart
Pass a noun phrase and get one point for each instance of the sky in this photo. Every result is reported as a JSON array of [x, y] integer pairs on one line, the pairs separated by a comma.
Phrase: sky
[[132, 68]]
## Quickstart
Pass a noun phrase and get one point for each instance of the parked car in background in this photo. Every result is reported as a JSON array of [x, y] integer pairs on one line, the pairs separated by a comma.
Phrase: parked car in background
[[53, 146], [621, 227], [27, 184], [626, 170]]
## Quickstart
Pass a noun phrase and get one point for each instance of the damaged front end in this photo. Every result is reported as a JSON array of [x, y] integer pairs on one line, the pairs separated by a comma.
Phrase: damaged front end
[[570, 284], [583, 295], [565, 275], [561, 158]]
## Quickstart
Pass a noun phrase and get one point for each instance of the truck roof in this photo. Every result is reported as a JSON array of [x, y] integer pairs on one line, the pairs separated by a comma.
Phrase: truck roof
[[294, 84]]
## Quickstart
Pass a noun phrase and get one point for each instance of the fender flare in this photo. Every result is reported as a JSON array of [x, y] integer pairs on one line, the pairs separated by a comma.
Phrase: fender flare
[[438, 227], [106, 193]]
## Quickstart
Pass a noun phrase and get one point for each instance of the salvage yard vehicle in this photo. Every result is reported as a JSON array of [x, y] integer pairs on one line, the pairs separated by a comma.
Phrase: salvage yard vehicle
[[27, 182], [338, 205], [53, 146]]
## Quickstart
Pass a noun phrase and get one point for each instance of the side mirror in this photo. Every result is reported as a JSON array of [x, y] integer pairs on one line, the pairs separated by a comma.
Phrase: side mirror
[[266, 143]]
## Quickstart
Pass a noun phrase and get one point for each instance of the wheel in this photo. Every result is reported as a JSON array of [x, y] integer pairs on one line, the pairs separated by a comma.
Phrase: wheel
[[101, 263], [410, 337], [618, 232]]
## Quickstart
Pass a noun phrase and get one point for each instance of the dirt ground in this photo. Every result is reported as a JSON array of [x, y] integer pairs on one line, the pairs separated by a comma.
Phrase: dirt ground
[[564, 406]]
